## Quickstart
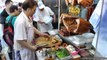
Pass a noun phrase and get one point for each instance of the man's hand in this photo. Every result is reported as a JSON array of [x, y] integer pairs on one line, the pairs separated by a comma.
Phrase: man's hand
[[34, 48], [44, 34], [41, 21]]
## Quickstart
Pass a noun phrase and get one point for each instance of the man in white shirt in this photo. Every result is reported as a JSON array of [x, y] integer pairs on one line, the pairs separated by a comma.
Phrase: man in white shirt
[[44, 17], [24, 33]]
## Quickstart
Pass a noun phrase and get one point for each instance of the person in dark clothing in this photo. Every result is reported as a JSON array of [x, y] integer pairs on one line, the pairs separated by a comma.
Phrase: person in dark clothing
[[3, 16], [20, 7], [13, 15], [5, 12]]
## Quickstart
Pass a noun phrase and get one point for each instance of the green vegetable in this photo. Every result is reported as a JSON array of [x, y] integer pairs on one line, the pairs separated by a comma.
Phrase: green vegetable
[[62, 53]]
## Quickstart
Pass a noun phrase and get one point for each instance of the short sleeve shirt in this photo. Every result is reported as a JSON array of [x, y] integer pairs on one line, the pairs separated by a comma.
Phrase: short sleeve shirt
[[23, 30], [13, 20]]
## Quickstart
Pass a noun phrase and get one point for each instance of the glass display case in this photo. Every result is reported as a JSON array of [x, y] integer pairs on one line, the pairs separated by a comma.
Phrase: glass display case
[[88, 42]]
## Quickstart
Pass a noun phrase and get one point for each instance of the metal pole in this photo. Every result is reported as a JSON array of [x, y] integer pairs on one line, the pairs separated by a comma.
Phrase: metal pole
[[59, 14]]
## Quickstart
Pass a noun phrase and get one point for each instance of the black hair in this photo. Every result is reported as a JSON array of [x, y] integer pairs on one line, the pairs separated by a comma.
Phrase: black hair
[[13, 8], [28, 4], [7, 1], [20, 4]]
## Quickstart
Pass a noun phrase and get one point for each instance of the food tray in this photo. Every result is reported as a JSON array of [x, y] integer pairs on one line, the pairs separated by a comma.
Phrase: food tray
[[48, 41]]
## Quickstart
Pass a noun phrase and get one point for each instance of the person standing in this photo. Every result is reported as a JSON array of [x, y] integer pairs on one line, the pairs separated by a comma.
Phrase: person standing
[[44, 17], [13, 15], [3, 16], [24, 32]]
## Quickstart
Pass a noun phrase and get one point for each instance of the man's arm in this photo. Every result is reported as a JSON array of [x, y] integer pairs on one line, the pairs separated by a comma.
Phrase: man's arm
[[54, 18], [26, 44], [39, 33], [52, 14]]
